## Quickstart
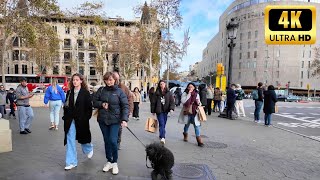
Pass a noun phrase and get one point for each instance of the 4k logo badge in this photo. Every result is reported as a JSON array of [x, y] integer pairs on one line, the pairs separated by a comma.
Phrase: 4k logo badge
[[290, 24]]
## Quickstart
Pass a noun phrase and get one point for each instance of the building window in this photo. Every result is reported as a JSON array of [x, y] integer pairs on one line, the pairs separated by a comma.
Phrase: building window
[[116, 34], [240, 36], [55, 29], [23, 56], [81, 56], [16, 69], [240, 46], [24, 69], [249, 35], [309, 65], [249, 24], [240, 65], [81, 70], [255, 54], [67, 30], [80, 43], [92, 31], [278, 63], [67, 56], [301, 84], [15, 55], [255, 44], [92, 56], [248, 55], [254, 64], [32, 70], [278, 53], [67, 43], [92, 71], [248, 45], [266, 64], [240, 55], [248, 64], [310, 54], [277, 74], [104, 31], [68, 70], [55, 70], [80, 30], [303, 53], [254, 74], [301, 74], [8, 69], [302, 64], [239, 75], [256, 34], [15, 42], [91, 45], [308, 74]]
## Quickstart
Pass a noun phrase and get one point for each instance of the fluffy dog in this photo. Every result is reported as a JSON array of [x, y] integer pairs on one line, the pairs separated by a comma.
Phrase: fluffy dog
[[162, 160]]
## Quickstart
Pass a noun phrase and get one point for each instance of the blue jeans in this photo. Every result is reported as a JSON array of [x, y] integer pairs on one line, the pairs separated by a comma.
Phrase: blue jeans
[[71, 148], [110, 137], [55, 107], [258, 105], [2, 110], [25, 117], [191, 121], [162, 118], [267, 119]]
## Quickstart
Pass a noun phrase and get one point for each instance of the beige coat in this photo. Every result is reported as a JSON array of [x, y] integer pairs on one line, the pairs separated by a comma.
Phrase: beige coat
[[136, 97]]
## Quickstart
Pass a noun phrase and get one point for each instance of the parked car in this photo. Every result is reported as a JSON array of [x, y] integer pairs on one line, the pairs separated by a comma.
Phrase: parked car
[[38, 90], [281, 97], [292, 98]]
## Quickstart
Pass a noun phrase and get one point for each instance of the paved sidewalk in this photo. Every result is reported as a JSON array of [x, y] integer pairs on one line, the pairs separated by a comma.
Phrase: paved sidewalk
[[235, 149]]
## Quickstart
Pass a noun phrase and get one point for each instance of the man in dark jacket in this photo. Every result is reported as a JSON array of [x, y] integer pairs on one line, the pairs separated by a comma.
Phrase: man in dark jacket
[[258, 103], [270, 99], [11, 98], [231, 99], [203, 96]]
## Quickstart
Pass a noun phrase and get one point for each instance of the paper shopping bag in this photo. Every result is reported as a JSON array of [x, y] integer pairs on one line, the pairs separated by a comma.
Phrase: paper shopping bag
[[276, 109], [151, 125], [201, 114]]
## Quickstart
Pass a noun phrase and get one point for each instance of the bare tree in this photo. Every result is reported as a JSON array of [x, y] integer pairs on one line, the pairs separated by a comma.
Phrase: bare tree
[[315, 65], [25, 19]]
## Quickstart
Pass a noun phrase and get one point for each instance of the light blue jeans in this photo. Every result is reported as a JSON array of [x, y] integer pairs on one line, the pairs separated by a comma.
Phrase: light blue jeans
[[71, 148], [25, 117], [55, 107], [191, 121]]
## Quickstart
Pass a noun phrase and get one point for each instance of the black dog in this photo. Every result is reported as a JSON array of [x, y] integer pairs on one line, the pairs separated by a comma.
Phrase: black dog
[[162, 160]]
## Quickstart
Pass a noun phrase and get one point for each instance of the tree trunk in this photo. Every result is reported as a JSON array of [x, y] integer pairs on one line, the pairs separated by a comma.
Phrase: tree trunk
[[3, 50], [150, 67]]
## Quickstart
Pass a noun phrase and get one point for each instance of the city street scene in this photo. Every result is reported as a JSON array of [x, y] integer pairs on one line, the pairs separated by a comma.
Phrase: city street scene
[[160, 89]]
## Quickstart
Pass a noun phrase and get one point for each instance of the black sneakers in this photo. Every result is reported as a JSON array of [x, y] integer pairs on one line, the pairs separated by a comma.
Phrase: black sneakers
[[27, 130], [23, 132]]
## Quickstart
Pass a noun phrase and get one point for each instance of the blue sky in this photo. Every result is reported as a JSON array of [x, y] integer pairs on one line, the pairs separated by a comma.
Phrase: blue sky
[[201, 16]]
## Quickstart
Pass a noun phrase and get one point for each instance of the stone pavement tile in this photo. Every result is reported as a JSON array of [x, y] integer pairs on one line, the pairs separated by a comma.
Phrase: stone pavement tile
[[251, 151]]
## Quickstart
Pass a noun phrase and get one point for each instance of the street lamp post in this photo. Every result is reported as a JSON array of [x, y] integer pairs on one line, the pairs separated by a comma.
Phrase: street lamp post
[[288, 87], [232, 28]]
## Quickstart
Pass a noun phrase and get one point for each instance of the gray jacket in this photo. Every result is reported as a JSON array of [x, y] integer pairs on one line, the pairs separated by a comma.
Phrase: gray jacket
[[22, 91], [3, 96]]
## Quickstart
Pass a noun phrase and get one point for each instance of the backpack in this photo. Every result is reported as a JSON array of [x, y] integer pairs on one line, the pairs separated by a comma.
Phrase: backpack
[[255, 95]]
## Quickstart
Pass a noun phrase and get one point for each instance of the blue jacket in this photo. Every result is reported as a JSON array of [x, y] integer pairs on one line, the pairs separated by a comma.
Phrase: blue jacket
[[52, 96]]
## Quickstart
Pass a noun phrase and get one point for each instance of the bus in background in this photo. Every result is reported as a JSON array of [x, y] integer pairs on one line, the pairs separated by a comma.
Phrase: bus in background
[[34, 81]]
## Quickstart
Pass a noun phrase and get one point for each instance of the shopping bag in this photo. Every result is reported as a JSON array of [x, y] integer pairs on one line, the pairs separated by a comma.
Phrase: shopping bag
[[151, 125], [276, 109], [201, 114]]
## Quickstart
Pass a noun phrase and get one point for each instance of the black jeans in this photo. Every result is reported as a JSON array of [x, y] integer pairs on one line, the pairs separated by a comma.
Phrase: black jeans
[[230, 109], [12, 110], [135, 109], [209, 102]]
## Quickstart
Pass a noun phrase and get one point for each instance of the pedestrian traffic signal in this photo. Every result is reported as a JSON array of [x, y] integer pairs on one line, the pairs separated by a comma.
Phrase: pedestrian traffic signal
[[308, 86]]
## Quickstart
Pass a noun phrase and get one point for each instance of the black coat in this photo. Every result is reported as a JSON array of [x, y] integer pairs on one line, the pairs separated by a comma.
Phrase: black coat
[[231, 96], [118, 106], [80, 112], [270, 99], [156, 106]]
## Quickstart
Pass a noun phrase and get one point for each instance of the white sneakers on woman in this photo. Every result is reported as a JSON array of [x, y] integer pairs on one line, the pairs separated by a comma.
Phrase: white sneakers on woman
[[113, 166], [71, 166]]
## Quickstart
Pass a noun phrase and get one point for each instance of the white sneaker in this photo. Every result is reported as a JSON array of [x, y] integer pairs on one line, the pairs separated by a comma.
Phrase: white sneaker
[[163, 141], [115, 169], [71, 166], [107, 167], [90, 154]]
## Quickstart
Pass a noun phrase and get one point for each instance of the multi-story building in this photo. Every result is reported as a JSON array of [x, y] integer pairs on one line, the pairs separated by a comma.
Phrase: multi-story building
[[77, 51], [253, 60]]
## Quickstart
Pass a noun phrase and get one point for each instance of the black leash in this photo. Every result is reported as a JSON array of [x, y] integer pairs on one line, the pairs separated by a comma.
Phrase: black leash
[[141, 143]]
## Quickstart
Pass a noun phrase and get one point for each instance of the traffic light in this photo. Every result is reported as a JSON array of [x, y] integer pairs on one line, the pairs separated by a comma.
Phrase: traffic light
[[220, 69]]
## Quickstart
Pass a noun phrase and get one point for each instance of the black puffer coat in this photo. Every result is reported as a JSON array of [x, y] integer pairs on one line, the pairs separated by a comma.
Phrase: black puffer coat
[[118, 106], [156, 105], [203, 94]]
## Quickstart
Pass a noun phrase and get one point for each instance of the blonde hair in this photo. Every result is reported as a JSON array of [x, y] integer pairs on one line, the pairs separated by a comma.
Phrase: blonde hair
[[54, 85]]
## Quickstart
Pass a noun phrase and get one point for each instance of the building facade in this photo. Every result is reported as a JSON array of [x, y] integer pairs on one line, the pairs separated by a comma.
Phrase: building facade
[[253, 60], [78, 50]]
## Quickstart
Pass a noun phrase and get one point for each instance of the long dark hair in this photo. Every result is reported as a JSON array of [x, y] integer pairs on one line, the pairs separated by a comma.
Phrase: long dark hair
[[187, 90], [158, 91], [270, 87], [83, 84]]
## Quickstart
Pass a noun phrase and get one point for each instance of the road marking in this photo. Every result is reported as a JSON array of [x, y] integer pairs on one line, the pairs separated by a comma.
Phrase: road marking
[[316, 137], [302, 125], [315, 114], [298, 113], [299, 119], [285, 113]]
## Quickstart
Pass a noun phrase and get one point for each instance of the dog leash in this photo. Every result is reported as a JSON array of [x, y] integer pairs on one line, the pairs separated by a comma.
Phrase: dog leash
[[142, 144]]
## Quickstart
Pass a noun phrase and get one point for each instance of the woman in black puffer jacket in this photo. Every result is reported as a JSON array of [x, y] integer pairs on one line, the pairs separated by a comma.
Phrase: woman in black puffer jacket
[[113, 110]]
